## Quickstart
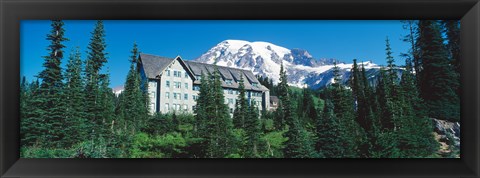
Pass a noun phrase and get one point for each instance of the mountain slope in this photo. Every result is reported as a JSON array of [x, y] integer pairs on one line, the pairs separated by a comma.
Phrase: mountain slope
[[265, 59]]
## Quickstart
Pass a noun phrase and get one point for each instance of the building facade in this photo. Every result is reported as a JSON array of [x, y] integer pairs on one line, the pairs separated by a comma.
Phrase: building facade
[[174, 84]]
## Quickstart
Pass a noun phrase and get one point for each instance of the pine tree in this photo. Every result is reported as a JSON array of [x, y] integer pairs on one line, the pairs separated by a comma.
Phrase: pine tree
[[241, 106], [330, 140], [252, 130], [222, 142], [299, 144], [51, 89], [307, 108], [75, 121], [135, 108], [343, 102], [452, 31], [415, 131], [438, 80], [95, 60], [411, 56]]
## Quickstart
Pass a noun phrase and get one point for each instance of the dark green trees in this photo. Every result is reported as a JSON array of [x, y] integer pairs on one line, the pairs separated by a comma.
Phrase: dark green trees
[[93, 78], [135, 110], [76, 123], [299, 143], [213, 122], [252, 132], [438, 81], [241, 106], [51, 92]]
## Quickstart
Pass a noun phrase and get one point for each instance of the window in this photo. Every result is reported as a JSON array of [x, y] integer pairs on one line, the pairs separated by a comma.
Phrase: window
[[186, 85], [167, 107], [186, 75], [185, 107], [177, 107], [152, 95], [194, 108], [167, 95], [255, 84], [198, 77], [230, 101], [185, 96], [177, 84], [196, 88], [230, 91], [195, 97], [231, 110], [174, 95], [175, 73], [228, 82], [179, 74], [168, 84], [168, 72]]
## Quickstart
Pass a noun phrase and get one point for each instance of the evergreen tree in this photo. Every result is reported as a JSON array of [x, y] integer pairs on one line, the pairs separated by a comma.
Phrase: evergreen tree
[[411, 56], [74, 115], [307, 108], [452, 31], [241, 106], [95, 61], [438, 80], [330, 140], [135, 108], [415, 131], [106, 106], [342, 99], [299, 144], [51, 89], [252, 130]]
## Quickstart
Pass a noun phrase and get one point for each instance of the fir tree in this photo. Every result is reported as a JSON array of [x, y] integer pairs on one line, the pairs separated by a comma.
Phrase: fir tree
[[75, 121], [299, 144], [95, 61], [452, 31], [51, 88], [252, 130], [342, 99], [330, 139], [241, 106], [135, 108], [438, 80], [415, 134]]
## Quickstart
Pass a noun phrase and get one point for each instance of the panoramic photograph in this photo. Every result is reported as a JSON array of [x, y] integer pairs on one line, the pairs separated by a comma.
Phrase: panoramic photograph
[[240, 89]]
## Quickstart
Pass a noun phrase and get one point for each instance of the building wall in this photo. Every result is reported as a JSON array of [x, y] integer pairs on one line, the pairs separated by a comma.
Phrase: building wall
[[176, 92], [162, 95]]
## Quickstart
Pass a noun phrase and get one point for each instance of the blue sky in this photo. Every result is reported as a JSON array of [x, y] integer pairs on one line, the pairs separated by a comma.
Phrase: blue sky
[[342, 40]]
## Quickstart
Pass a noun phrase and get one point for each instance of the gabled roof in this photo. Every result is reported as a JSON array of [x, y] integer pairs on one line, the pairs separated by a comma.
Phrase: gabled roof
[[154, 65]]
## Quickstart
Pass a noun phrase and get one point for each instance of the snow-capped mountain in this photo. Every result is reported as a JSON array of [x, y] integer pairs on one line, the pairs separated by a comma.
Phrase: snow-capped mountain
[[265, 59]]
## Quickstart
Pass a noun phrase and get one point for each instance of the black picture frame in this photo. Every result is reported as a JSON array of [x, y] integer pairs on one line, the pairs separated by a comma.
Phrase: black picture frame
[[13, 11]]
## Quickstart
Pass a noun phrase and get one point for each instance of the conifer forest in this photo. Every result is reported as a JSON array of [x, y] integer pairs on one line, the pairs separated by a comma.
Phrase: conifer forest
[[69, 110]]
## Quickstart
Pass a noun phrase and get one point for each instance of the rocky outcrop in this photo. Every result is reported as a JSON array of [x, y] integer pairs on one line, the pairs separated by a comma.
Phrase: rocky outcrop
[[448, 135]]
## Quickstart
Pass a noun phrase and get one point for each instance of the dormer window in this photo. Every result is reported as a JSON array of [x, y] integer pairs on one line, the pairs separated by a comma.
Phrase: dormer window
[[199, 77], [255, 84], [228, 82]]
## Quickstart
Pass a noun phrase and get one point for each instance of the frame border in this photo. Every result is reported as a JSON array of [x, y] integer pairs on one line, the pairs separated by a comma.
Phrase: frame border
[[13, 11]]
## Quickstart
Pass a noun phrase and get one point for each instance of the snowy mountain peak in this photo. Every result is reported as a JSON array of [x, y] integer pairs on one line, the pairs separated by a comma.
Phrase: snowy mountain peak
[[265, 59]]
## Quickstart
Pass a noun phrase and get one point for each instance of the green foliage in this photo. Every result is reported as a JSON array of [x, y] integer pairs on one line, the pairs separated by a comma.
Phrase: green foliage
[[273, 144], [169, 145], [76, 124], [438, 80], [39, 152], [241, 106]]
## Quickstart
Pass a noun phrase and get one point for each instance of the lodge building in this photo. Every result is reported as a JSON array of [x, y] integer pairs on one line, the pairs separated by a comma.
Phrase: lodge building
[[174, 84]]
